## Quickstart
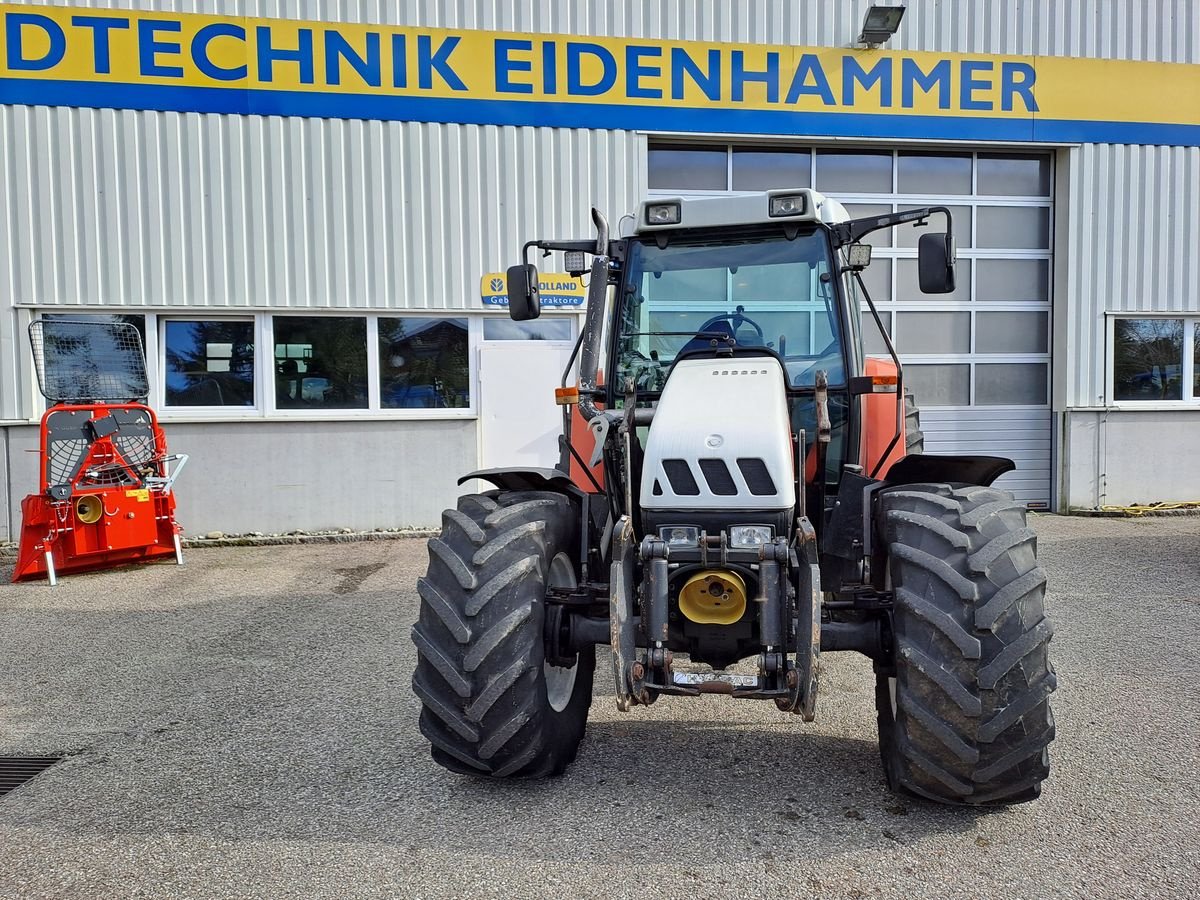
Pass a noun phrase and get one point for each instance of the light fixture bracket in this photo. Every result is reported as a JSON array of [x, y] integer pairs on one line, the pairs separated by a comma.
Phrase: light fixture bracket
[[879, 24]]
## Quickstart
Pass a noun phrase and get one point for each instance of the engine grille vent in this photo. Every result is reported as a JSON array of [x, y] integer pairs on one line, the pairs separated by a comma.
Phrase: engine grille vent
[[758, 479], [716, 473], [679, 473]]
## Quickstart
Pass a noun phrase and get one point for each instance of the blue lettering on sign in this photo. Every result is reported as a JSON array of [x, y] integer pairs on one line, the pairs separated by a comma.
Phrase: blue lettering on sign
[[635, 71], [506, 65], [149, 47], [740, 75], [14, 26], [1010, 85], [200, 43], [969, 84], [808, 65], [549, 68], [853, 73], [337, 48], [608, 75], [268, 55], [399, 61], [101, 26], [709, 82], [430, 61], [912, 77]]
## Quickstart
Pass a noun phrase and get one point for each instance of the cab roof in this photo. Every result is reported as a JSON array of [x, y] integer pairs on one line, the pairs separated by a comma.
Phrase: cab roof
[[758, 208]]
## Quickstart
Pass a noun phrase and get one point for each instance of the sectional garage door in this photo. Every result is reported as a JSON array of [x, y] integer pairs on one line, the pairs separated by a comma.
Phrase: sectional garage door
[[978, 359]]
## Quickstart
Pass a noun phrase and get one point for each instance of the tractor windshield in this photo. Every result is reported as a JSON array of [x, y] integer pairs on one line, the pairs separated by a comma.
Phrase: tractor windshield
[[760, 291]]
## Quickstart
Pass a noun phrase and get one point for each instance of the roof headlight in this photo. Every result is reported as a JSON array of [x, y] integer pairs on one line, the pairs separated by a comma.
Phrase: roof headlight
[[662, 214], [787, 205]]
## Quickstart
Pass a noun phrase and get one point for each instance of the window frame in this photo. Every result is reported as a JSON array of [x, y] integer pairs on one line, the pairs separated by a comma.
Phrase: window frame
[[1189, 397], [264, 409], [156, 323]]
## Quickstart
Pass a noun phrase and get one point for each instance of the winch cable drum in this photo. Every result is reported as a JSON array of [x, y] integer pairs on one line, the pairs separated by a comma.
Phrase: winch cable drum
[[89, 509], [713, 597]]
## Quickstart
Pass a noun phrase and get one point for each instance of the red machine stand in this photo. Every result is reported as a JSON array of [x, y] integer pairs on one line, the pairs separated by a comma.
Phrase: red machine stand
[[105, 495]]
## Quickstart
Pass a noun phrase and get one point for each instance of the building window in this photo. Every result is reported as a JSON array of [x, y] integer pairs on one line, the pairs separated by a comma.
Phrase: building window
[[1149, 363], [320, 362], [543, 329], [208, 363], [423, 363]]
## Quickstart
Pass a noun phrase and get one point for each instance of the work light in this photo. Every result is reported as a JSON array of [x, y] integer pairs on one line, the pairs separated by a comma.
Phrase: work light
[[662, 214], [787, 205]]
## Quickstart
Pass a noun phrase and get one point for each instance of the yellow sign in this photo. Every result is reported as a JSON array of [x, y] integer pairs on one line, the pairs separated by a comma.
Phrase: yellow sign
[[553, 290], [72, 56], [142, 495]]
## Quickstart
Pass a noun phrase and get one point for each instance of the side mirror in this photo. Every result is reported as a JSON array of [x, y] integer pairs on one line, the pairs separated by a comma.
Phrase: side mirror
[[523, 300], [935, 263]]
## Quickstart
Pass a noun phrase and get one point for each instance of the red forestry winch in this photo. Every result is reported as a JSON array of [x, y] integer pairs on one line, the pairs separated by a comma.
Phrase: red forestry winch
[[105, 476]]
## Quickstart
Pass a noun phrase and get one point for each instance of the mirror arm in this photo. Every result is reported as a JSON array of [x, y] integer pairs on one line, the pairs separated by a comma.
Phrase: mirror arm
[[856, 229]]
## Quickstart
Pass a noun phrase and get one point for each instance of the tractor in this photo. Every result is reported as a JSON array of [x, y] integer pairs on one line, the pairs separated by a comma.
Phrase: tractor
[[739, 490]]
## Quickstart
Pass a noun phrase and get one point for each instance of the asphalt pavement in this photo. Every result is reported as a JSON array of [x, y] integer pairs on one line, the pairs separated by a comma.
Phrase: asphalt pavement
[[243, 727]]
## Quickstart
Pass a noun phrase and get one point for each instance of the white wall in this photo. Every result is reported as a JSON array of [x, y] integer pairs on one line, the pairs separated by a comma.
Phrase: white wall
[[1122, 457], [283, 476]]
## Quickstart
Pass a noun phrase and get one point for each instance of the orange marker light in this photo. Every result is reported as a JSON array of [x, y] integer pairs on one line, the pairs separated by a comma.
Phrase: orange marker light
[[566, 396]]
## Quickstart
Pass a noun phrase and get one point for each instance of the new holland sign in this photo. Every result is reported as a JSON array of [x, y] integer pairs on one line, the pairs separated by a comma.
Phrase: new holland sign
[[71, 56], [554, 290]]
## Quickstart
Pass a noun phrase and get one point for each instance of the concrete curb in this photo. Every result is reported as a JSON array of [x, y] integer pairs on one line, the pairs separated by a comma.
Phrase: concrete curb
[[9, 551]]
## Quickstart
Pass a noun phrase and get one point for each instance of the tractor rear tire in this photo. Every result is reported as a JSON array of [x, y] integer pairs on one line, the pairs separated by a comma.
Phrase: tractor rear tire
[[965, 717], [492, 706], [914, 437]]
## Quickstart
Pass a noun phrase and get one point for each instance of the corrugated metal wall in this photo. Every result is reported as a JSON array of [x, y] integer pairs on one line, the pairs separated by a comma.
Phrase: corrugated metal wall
[[1160, 30], [1133, 245], [164, 209], [171, 209]]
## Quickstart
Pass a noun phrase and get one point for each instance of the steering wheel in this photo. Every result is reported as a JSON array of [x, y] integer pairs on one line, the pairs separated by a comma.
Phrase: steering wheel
[[735, 320]]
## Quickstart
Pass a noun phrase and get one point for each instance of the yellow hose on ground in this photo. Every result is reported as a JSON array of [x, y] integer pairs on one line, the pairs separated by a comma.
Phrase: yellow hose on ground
[[1162, 505]]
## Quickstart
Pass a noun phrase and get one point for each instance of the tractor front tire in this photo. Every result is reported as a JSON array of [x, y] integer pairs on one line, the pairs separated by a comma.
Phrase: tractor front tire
[[965, 716], [491, 705]]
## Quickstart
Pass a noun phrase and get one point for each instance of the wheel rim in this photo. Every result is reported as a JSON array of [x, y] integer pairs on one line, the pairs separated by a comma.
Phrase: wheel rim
[[560, 680]]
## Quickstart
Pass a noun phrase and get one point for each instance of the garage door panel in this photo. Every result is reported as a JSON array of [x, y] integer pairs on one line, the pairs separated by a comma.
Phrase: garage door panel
[[1024, 436]]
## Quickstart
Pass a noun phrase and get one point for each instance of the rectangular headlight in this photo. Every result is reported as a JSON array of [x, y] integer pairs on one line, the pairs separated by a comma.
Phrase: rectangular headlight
[[787, 205], [662, 214], [747, 537], [680, 535]]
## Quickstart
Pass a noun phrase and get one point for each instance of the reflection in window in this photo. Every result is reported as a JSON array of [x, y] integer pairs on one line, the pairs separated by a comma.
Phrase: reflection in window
[[1148, 359], [137, 321], [1196, 361], [209, 363], [687, 168], [760, 170], [320, 362], [423, 363], [547, 329]]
